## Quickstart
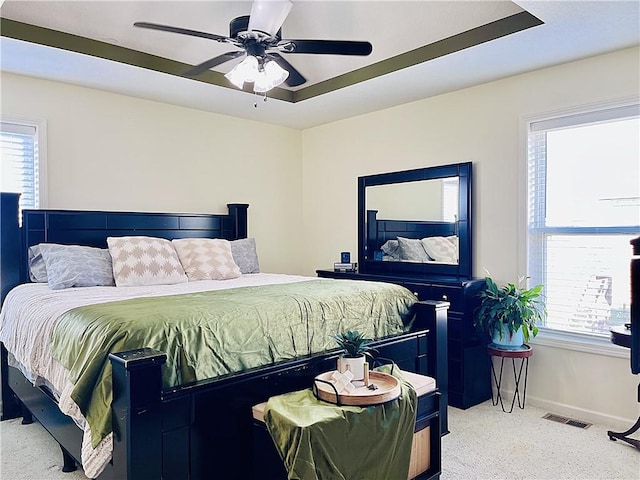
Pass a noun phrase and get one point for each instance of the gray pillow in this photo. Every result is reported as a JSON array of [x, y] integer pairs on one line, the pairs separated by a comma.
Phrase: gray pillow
[[37, 268], [412, 250], [391, 249], [245, 255], [76, 266]]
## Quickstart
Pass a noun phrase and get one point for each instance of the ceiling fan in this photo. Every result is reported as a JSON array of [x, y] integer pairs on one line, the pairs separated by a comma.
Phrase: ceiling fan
[[259, 38]]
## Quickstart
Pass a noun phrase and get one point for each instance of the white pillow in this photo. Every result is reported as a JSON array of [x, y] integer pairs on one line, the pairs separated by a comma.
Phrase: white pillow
[[144, 261], [441, 249], [207, 258], [456, 242]]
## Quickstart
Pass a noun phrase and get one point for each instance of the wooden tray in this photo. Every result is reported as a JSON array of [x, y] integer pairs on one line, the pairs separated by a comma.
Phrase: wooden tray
[[388, 389]]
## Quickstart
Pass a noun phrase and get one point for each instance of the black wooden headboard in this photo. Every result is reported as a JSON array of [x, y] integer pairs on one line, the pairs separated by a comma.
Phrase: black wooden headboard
[[91, 228]]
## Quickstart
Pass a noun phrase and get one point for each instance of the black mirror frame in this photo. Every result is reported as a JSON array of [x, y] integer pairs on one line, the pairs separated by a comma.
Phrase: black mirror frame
[[463, 270]]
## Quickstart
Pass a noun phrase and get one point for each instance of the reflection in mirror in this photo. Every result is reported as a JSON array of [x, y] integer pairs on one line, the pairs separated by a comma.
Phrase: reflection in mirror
[[435, 200], [416, 222], [433, 242], [431, 200]]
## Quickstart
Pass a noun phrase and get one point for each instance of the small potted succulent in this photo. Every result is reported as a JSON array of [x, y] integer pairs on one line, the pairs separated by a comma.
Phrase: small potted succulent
[[509, 314], [355, 349]]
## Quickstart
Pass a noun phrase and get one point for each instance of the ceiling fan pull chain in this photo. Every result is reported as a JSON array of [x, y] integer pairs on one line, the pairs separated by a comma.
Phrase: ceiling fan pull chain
[[255, 102]]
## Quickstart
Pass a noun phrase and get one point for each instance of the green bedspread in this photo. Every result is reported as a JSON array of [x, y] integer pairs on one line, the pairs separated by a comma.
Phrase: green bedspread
[[219, 332], [322, 441]]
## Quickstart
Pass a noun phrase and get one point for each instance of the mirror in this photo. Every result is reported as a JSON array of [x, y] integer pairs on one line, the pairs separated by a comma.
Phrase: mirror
[[434, 199], [416, 222]]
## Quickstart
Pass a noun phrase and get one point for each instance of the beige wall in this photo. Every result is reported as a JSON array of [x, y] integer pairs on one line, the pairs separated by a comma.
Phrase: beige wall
[[108, 151], [112, 152], [481, 125]]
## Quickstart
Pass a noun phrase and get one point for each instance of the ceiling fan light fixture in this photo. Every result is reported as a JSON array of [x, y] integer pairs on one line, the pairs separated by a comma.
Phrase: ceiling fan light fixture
[[264, 75], [245, 71], [270, 76], [262, 83], [275, 73]]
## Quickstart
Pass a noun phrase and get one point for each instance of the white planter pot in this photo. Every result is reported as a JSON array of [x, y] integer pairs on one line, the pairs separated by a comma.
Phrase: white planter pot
[[508, 341], [355, 365]]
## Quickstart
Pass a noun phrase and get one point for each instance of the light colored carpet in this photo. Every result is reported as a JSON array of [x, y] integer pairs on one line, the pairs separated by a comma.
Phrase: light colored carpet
[[484, 443], [28, 452]]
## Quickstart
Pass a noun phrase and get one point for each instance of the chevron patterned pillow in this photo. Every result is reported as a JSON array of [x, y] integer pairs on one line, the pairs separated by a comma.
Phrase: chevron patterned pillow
[[207, 258], [144, 261], [441, 249]]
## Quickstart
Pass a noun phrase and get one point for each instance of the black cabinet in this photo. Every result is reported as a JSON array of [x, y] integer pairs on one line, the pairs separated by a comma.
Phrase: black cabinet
[[468, 366]]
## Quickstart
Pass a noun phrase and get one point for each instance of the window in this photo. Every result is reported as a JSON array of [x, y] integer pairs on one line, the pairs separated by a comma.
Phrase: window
[[583, 208], [22, 155]]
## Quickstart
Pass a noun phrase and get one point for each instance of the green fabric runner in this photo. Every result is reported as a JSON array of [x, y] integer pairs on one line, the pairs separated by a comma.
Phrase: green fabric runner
[[322, 441], [214, 333]]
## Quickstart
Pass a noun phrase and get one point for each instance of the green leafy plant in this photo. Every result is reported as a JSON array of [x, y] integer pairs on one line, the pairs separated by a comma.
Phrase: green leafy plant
[[510, 305], [353, 344]]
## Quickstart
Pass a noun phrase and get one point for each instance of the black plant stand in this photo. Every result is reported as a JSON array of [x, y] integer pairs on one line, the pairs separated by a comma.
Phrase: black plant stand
[[523, 354]]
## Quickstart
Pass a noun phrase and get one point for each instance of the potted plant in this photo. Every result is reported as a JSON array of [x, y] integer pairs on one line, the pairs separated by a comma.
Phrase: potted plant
[[509, 314], [355, 349]]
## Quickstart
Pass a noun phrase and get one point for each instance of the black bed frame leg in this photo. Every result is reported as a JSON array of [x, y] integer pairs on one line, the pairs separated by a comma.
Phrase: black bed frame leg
[[27, 418], [10, 404], [68, 463]]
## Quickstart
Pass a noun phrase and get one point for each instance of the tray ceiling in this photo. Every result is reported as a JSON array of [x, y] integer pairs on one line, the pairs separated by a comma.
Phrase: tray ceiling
[[420, 48]]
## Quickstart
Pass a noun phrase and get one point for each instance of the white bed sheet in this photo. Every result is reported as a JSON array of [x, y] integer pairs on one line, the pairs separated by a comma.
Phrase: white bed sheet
[[30, 313]]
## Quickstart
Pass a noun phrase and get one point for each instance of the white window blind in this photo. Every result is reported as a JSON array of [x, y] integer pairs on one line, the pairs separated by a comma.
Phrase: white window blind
[[20, 162], [583, 208], [450, 199]]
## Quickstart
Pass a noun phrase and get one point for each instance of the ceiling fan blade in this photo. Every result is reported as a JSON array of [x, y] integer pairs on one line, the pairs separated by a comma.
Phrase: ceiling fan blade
[[330, 47], [183, 31], [268, 15], [209, 64], [295, 78]]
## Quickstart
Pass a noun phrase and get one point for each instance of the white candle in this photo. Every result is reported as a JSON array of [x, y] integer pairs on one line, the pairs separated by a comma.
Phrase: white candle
[[366, 374]]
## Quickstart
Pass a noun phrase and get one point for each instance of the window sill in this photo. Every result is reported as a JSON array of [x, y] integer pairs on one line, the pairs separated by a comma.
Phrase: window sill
[[579, 342]]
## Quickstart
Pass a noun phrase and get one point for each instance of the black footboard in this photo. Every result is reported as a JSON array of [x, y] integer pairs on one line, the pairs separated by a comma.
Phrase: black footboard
[[202, 430]]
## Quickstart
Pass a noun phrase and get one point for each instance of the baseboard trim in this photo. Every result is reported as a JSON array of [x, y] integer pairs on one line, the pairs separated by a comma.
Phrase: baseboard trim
[[591, 416]]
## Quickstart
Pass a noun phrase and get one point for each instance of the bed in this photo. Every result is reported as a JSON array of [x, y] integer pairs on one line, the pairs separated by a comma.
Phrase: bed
[[171, 413]]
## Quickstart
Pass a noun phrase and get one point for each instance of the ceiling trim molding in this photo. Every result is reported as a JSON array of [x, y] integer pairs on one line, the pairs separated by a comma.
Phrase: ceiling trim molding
[[74, 43], [470, 38]]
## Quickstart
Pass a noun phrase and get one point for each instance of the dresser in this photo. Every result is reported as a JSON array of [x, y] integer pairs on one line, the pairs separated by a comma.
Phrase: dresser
[[469, 380], [415, 229]]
